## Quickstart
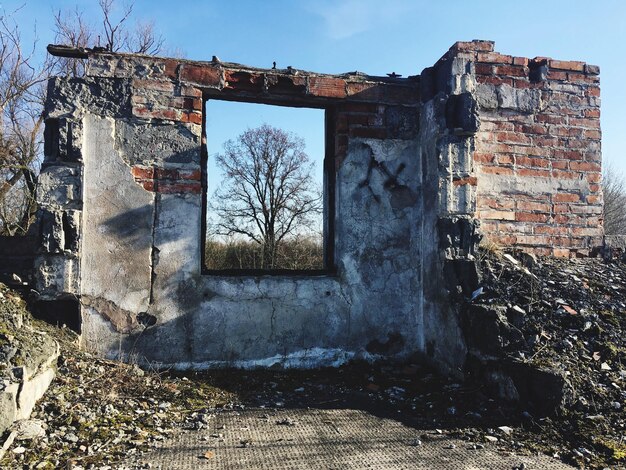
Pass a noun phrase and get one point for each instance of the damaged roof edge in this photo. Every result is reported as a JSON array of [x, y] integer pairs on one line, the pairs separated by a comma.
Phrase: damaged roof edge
[[60, 50]]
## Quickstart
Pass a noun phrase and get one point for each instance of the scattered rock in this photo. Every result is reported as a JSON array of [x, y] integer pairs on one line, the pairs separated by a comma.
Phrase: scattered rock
[[28, 429], [510, 259], [567, 309], [569, 314]]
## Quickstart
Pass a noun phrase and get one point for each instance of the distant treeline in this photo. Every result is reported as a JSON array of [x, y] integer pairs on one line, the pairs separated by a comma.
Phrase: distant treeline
[[298, 254]]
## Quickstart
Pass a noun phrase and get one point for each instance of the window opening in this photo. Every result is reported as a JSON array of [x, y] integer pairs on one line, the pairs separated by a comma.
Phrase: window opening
[[267, 206]]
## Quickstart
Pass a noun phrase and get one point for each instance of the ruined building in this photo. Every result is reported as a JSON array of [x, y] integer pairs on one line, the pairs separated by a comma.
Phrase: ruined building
[[417, 170]]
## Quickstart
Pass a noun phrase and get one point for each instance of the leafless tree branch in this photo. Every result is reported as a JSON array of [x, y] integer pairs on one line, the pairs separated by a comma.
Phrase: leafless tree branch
[[21, 86], [267, 193], [22, 93], [614, 191]]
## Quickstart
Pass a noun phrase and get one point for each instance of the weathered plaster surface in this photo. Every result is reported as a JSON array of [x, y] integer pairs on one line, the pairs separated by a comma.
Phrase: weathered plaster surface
[[117, 225], [249, 319], [121, 198]]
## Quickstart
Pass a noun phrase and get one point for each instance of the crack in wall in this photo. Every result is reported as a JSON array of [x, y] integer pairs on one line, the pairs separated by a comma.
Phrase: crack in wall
[[348, 301], [272, 321], [154, 251]]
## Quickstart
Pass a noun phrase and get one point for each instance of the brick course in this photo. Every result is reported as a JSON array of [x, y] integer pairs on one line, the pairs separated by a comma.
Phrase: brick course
[[174, 90], [556, 143], [535, 170], [168, 180]]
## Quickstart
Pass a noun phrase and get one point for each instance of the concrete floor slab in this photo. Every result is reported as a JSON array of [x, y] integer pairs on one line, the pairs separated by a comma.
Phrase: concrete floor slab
[[326, 439]]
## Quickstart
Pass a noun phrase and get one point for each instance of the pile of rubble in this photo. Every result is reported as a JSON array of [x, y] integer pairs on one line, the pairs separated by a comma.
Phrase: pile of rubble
[[549, 333]]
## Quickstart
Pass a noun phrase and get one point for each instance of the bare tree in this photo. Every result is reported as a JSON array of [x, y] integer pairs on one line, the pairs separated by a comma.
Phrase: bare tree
[[614, 190], [22, 80], [141, 39], [267, 192], [71, 29], [21, 95], [114, 34]]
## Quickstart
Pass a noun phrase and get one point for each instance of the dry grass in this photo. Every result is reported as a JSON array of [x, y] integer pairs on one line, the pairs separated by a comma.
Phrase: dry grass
[[297, 254]]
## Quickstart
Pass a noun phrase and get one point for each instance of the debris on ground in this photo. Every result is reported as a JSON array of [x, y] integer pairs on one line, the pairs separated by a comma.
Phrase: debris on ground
[[27, 360], [97, 412], [562, 320], [567, 319]]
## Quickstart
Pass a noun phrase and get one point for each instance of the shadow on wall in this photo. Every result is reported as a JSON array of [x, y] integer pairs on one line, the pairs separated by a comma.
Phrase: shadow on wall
[[131, 226]]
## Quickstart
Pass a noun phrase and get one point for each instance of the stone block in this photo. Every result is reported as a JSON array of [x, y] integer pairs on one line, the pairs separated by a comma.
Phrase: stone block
[[523, 100], [51, 227], [23, 386], [56, 275], [59, 186], [487, 329], [486, 96]]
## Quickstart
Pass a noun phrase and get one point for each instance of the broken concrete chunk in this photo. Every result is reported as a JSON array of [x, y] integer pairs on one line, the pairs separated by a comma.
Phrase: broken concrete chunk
[[28, 429], [510, 259], [27, 366]]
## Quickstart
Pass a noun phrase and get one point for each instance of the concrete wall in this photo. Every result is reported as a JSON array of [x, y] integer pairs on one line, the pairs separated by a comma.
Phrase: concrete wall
[[121, 197]]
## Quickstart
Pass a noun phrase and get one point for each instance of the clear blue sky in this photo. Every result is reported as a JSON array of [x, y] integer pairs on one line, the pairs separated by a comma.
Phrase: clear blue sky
[[378, 37]]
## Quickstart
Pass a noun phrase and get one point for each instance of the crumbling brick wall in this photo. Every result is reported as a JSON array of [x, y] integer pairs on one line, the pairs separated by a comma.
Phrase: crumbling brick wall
[[416, 170], [137, 176], [531, 171], [538, 153]]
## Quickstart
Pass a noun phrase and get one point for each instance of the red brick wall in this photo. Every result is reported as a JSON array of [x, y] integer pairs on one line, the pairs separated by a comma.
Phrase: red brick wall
[[549, 150], [172, 90]]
